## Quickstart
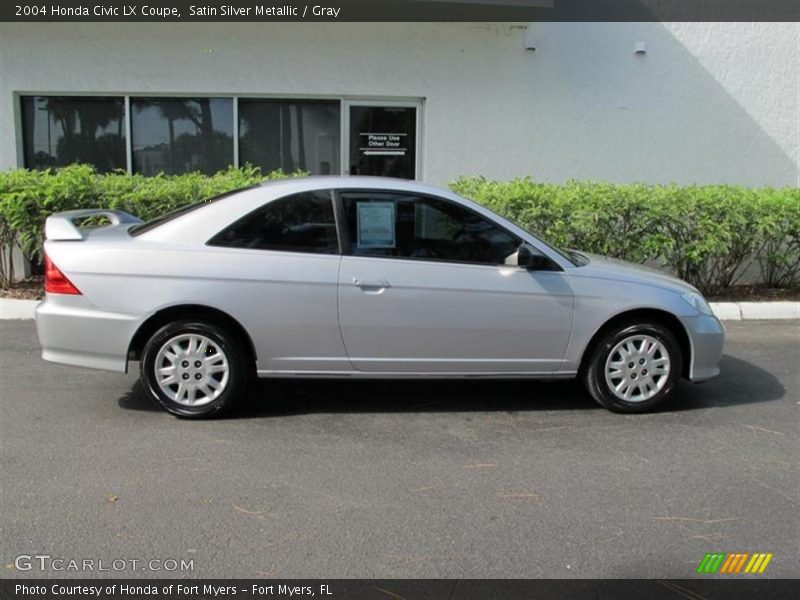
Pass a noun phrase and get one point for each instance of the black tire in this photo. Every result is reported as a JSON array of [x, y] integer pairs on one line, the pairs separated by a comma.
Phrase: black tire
[[231, 386], [594, 373]]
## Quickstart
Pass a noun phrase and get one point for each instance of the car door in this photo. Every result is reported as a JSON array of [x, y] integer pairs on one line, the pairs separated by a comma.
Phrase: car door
[[427, 285], [281, 266]]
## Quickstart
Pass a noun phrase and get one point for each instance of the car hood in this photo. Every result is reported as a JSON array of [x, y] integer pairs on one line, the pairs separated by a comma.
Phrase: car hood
[[604, 267]]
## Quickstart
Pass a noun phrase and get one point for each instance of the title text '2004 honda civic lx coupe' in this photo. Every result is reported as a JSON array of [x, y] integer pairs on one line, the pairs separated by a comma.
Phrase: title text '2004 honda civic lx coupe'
[[359, 277]]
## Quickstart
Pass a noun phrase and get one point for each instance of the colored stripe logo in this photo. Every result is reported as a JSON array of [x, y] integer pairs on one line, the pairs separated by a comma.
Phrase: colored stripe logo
[[732, 563]]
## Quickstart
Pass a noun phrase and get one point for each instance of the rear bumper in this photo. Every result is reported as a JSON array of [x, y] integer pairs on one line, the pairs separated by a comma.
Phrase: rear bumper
[[707, 337], [73, 332]]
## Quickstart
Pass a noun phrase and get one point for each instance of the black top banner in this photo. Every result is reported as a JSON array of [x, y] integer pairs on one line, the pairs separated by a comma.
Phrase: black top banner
[[400, 10]]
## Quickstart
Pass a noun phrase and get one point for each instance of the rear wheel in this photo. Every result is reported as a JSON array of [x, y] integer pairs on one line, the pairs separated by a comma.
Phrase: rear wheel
[[634, 368], [194, 369]]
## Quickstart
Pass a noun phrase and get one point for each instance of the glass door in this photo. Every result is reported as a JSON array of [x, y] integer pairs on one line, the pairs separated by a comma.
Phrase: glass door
[[382, 139]]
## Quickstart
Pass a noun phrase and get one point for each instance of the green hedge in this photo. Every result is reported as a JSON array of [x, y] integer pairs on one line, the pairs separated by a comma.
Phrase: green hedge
[[705, 234], [27, 197]]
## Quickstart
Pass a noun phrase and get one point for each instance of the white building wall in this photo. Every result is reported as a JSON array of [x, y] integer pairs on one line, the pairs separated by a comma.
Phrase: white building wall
[[708, 102]]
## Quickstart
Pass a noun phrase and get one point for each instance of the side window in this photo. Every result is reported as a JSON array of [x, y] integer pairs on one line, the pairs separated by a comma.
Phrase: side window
[[298, 223], [408, 226]]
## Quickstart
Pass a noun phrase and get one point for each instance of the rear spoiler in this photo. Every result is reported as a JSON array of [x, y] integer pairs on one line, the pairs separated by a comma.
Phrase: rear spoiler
[[61, 226]]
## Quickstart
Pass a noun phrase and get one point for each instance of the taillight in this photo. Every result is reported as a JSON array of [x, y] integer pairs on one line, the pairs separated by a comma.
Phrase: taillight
[[55, 282]]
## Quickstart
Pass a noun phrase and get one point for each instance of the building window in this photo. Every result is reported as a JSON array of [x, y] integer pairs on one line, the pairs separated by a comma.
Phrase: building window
[[289, 135], [180, 135], [184, 134], [60, 130]]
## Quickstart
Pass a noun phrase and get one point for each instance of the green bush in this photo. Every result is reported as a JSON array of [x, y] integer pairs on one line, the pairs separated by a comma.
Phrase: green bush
[[779, 255], [707, 235], [28, 197]]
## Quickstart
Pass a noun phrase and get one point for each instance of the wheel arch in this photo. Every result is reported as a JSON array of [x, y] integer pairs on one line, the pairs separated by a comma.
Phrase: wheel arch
[[663, 317], [189, 311]]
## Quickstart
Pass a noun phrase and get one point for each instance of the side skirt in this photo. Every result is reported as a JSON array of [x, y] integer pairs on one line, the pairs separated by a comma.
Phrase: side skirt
[[408, 375]]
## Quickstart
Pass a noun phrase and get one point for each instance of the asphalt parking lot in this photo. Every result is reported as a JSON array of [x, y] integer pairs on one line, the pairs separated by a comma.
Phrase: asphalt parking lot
[[414, 479]]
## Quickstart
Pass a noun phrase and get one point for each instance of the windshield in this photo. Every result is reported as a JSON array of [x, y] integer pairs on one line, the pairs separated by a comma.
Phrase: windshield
[[183, 210]]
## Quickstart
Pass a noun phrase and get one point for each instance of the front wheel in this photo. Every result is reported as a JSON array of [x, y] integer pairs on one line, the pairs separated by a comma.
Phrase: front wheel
[[634, 367], [194, 369]]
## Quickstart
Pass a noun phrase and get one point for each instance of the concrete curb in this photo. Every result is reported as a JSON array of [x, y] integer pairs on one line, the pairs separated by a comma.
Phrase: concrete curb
[[17, 309], [726, 311], [753, 311]]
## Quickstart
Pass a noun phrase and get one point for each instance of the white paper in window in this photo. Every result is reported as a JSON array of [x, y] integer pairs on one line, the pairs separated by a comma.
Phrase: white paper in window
[[376, 224]]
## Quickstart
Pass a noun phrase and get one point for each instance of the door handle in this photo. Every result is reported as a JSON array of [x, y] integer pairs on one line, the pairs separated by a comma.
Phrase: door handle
[[371, 284]]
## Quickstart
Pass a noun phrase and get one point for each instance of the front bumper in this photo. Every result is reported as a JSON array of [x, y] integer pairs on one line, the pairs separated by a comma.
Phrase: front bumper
[[74, 332], [707, 338]]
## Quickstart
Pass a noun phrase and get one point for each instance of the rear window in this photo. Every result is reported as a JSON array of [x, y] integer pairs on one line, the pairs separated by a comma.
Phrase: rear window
[[302, 222], [183, 210]]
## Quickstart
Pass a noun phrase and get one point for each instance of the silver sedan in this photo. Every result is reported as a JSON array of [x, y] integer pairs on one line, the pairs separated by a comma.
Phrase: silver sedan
[[361, 278]]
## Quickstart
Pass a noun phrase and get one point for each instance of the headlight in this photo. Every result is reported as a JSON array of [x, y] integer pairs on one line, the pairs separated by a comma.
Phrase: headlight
[[698, 302]]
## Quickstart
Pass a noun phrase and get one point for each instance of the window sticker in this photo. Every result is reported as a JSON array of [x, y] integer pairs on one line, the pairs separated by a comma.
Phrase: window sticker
[[376, 224]]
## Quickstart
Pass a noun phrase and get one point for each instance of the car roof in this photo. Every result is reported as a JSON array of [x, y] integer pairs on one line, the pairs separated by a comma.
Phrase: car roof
[[340, 180], [208, 218], [350, 182]]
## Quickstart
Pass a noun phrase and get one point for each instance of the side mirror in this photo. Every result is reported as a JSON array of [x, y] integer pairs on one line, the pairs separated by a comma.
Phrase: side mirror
[[529, 257]]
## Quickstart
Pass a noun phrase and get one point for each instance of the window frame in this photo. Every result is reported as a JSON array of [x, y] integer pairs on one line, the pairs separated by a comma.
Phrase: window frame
[[345, 101], [130, 99], [336, 217], [347, 246], [245, 99], [19, 118], [417, 103]]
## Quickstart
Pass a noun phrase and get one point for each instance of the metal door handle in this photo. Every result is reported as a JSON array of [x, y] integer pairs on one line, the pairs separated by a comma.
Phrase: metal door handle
[[371, 283]]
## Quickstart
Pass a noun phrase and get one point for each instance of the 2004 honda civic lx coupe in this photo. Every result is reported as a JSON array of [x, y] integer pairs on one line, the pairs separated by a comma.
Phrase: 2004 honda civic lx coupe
[[358, 277]]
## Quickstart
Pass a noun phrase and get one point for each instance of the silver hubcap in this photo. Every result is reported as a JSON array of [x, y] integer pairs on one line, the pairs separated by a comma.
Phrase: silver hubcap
[[637, 368], [191, 370]]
